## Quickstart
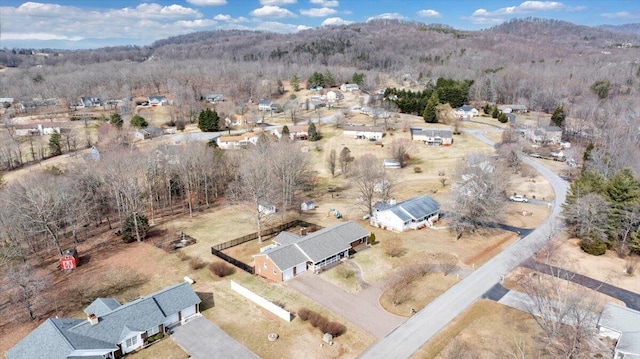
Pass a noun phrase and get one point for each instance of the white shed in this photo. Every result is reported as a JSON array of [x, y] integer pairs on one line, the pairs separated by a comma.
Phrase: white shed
[[308, 205]]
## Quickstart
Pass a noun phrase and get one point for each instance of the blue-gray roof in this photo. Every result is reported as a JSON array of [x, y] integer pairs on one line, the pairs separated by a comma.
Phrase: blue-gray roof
[[315, 246], [629, 343], [285, 238], [414, 208], [620, 319], [57, 338], [52, 340], [431, 132], [102, 306]]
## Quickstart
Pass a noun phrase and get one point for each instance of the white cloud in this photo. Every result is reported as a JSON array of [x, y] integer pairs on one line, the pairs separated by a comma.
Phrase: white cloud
[[429, 13], [486, 17], [207, 2], [318, 12], [333, 21], [280, 27], [195, 24], [34, 8], [277, 2], [230, 19], [620, 15], [155, 11], [38, 36], [325, 3], [387, 16], [270, 11]]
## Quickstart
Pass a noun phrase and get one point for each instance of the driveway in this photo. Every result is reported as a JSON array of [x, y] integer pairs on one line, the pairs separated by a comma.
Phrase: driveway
[[417, 330], [204, 340], [361, 309]]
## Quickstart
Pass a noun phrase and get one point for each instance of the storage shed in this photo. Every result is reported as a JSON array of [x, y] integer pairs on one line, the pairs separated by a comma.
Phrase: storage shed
[[69, 259], [308, 205]]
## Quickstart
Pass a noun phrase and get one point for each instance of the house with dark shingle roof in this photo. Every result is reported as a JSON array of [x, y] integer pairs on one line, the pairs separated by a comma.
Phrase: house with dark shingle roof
[[414, 213], [622, 324], [291, 255], [111, 329]]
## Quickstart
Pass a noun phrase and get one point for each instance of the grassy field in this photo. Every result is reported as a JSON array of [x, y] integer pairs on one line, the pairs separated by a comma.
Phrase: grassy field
[[485, 330]]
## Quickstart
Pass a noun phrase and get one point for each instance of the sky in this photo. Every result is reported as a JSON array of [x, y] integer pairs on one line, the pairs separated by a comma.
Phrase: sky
[[95, 23]]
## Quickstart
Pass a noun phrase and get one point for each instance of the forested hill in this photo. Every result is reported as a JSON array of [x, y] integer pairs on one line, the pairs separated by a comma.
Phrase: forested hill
[[626, 28], [383, 45], [562, 31]]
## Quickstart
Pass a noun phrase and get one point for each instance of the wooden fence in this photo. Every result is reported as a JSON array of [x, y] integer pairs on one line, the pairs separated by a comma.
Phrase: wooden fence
[[268, 232]]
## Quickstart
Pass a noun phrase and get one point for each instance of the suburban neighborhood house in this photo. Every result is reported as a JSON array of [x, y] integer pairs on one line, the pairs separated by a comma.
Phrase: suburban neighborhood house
[[267, 105], [29, 130], [546, 135], [157, 100], [215, 98], [237, 141], [512, 108], [432, 137], [349, 87], [414, 213], [334, 96], [291, 255], [466, 111], [364, 132], [299, 132], [621, 324], [111, 330]]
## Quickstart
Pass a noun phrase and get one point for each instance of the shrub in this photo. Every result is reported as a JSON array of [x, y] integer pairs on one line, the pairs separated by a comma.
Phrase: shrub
[[196, 263], [180, 125], [315, 319], [345, 272], [592, 247], [304, 314], [278, 303], [321, 323], [221, 269], [335, 329], [183, 256], [392, 247]]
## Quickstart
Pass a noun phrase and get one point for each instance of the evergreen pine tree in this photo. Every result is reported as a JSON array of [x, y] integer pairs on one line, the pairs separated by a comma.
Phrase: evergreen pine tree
[[55, 146], [285, 132], [116, 120], [430, 114], [495, 113], [313, 133], [558, 116]]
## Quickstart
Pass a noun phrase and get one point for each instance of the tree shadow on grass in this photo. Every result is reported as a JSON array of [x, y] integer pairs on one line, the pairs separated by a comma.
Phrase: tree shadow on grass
[[207, 300]]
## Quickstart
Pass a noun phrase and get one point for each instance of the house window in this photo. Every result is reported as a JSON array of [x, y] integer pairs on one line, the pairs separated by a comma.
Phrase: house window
[[274, 271], [153, 331], [131, 341]]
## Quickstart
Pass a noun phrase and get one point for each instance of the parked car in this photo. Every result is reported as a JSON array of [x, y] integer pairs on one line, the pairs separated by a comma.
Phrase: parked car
[[535, 155], [518, 198]]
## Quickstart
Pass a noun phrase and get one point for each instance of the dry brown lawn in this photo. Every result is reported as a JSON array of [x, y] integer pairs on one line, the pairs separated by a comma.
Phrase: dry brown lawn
[[422, 291], [487, 329], [166, 348]]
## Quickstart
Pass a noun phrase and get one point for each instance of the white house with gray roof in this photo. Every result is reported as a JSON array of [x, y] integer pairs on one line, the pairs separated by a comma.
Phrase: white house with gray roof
[[432, 137], [111, 330], [622, 324], [291, 254], [414, 213]]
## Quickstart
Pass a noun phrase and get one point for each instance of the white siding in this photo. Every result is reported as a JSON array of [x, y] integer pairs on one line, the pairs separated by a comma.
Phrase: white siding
[[288, 274], [135, 343], [172, 320], [188, 312]]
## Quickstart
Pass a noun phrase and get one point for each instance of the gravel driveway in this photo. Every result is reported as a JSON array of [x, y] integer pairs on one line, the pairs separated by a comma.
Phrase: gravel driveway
[[361, 309], [204, 340]]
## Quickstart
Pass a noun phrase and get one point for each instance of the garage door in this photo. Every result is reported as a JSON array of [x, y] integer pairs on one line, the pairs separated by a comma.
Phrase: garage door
[[172, 320], [187, 312]]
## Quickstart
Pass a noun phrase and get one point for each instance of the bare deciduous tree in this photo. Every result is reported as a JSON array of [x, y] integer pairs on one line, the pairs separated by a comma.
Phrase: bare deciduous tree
[[367, 174], [478, 195], [399, 150], [331, 162], [25, 286]]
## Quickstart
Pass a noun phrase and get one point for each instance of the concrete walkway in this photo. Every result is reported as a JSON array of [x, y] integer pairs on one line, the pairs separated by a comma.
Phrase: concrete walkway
[[202, 339], [361, 308]]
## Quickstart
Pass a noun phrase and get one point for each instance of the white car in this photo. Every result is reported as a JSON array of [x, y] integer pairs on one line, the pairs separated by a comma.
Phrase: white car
[[518, 198]]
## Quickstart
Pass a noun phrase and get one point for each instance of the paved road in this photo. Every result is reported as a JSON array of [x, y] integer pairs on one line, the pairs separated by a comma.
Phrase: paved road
[[631, 299], [361, 308], [409, 337], [204, 340]]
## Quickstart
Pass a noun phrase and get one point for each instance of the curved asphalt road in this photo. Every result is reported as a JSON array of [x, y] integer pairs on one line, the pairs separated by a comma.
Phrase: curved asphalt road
[[410, 336]]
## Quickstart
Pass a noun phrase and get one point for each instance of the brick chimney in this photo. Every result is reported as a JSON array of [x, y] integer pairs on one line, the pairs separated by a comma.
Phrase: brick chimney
[[93, 319]]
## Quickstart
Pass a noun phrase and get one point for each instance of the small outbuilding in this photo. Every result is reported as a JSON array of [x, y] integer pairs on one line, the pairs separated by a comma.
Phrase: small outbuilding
[[69, 259], [308, 205]]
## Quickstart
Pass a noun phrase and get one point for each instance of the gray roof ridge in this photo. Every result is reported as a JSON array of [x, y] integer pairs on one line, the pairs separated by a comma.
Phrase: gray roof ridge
[[302, 251], [60, 333]]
